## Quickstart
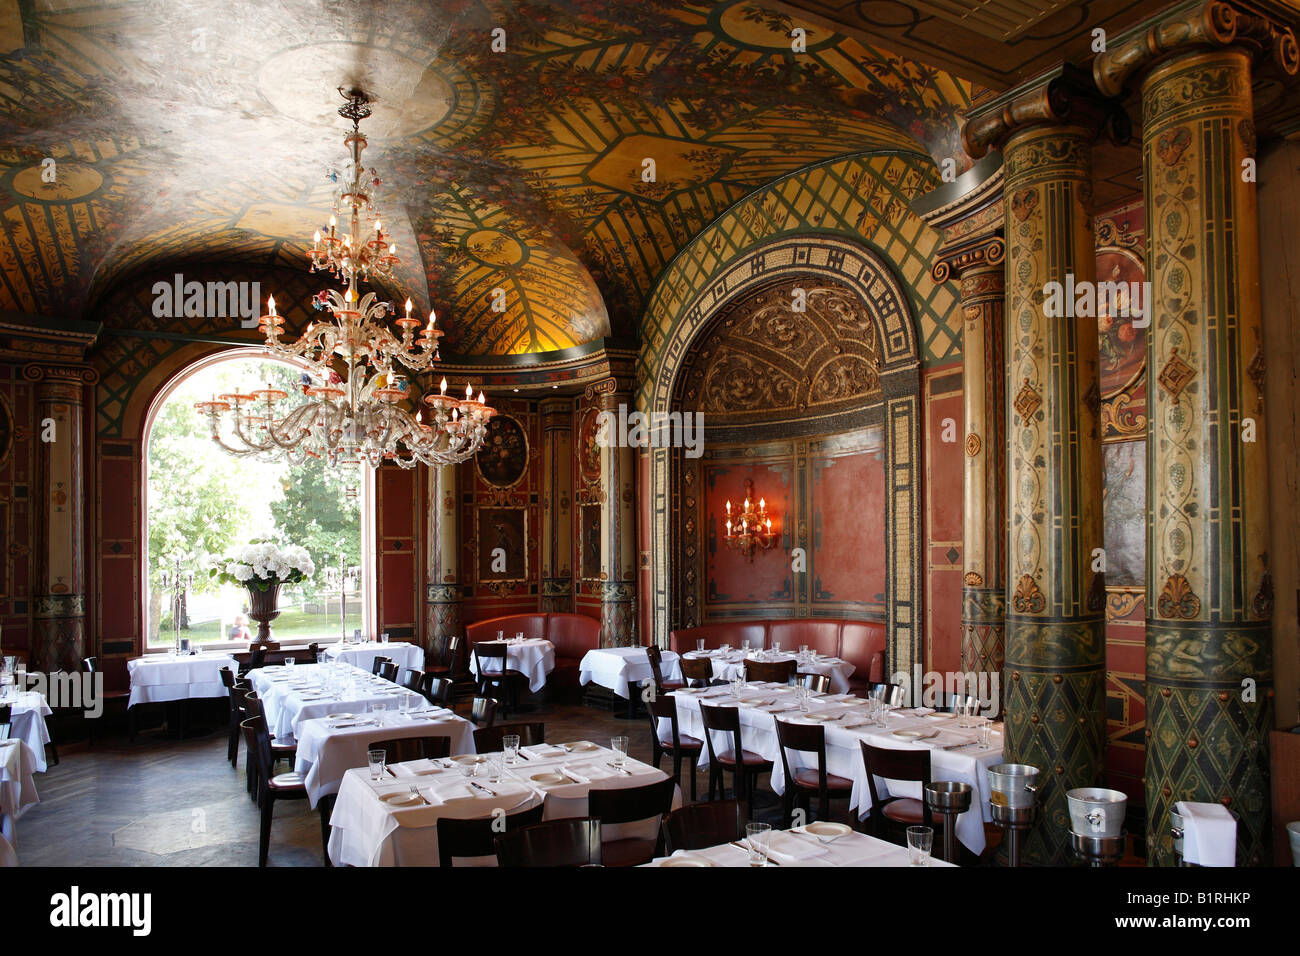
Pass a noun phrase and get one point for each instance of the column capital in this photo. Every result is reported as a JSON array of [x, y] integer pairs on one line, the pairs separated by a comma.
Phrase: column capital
[[608, 393], [1063, 96], [60, 374], [1259, 27]]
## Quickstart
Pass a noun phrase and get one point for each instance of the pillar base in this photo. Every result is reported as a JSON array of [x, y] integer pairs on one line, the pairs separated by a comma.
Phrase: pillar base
[[616, 628], [443, 609], [60, 633]]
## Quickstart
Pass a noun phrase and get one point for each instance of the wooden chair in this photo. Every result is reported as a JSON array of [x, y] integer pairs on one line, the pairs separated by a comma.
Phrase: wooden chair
[[412, 681], [772, 672], [744, 765], [389, 671], [436, 690], [6, 716], [280, 749], [891, 694], [697, 671], [464, 838], [271, 786], [698, 826], [488, 739], [378, 663], [898, 813], [446, 665], [403, 749], [490, 657], [483, 712], [656, 658], [631, 805], [820, 683], [802, 782], [571, 842], [90, 665], [680, 746], [235, 692]]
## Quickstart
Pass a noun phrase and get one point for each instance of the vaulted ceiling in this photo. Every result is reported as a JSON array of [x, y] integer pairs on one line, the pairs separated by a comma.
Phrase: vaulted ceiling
[[202, 130]]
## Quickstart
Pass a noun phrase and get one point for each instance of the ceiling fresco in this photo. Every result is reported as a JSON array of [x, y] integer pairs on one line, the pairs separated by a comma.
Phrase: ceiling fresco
[[197, 130]]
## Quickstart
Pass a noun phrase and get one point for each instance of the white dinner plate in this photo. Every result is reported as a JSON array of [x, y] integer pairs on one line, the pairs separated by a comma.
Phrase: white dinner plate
[[401, 798], [823, 829], [469, 758], [687, 861], [582, 746], [548, 778], [909, 734], [819, 717], [939, 716], [340, 716]]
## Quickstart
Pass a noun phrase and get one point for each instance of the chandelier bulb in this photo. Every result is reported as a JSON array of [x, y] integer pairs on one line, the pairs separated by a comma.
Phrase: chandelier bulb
[[408, 308], [481, 399], [442, 386], [469, 392]]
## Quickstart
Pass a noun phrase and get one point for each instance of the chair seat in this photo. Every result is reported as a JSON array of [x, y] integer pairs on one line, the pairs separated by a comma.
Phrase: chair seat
[[503, 675], [686, 742], [807, 778], [627, 852], [672, 685], [288, 781], [284, 745], [751, 760], [905, 810]]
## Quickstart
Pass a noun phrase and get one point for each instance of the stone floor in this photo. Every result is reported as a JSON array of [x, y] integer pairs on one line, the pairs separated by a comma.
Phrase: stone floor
[[173, 802]]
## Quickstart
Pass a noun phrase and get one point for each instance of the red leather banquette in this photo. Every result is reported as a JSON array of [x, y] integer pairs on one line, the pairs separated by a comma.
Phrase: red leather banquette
[[861, 643], [572, 634]]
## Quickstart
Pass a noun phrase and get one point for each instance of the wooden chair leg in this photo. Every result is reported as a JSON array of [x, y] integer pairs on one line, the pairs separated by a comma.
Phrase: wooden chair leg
[[264, 837], [692, 763], [787, 805], [326, 807], [677, 768]]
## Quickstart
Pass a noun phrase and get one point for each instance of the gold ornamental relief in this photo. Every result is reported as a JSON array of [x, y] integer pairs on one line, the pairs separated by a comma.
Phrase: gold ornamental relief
[[1028, 598], [973, 445], [1177, 599], [1027, 401], [1176, 375]]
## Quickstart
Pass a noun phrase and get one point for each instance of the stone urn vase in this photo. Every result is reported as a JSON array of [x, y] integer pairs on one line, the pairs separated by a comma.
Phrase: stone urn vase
[[263, 607]]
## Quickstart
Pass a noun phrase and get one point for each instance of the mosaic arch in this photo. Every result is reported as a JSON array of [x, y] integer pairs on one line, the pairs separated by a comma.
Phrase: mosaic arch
[[849, 265], [518, 171]]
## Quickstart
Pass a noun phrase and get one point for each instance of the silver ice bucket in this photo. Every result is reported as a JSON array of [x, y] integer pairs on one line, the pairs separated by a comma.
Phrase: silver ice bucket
[[1096, 811], [1013, 785]]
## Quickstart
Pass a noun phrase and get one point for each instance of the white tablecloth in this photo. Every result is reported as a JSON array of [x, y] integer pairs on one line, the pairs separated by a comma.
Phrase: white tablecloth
[[407, 657], [534, 658], [731, 664], [27, 722], [326, 750], [292, 695], [844, 754], [161, 677], [796, 848], [17, 788], [368, 832], [614, 667]]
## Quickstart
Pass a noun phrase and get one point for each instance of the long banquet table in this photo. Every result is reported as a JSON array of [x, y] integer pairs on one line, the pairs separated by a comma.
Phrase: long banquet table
[[157, 678], [729, 664], [953, 753], [17, 792], [366, 831], [293, 695], [794, 847]]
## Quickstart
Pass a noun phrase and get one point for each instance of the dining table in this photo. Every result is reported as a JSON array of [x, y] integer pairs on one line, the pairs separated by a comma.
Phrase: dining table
[[955, 751], [534, 657], [730, 663], [294, 694], [407, 657], [799, 847], [382, 823], [17, 786], [158, 678], [623, 669], [28, 710]]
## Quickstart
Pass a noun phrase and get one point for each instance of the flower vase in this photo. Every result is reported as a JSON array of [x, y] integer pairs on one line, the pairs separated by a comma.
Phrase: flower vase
[[263, 608]]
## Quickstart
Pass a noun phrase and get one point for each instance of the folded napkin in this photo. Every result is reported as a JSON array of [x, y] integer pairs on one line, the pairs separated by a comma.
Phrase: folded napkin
[[1210, 833], [437, 713], [922, 711], [417, 768], [789, 847], [589, 773]]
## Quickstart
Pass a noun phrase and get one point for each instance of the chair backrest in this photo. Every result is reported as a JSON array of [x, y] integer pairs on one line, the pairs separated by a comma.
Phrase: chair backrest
[[697, 671], [700, 825], [805, 738], [462, 838], [490, 651], [778, 672], [6, 715], [821, 683], [257, 658], [571, 842], [663, 706], [725, 719], [630, 804], [436, 690], [888, 764], [389, 671], [451, 653], [90, 665], [378, 663], [259, 744], [655, 657], [488, 739], [483, 712], [414, 748], [227, 678], [413, 681]]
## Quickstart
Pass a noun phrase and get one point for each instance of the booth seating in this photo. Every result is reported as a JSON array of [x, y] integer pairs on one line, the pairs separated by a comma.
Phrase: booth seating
[[572, 634], [861, 643]]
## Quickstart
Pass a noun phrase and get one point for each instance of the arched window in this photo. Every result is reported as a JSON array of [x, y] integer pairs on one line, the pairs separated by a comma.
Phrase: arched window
[[202, 504]]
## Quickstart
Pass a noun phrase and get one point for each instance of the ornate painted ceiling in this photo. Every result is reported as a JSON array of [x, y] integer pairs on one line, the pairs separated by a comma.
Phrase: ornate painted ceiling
[[201, 131]]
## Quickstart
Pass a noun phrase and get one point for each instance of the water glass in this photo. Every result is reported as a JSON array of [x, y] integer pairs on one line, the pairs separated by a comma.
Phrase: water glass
[[383, 638], [919, 840], [494, 768], [725, 648], [776, 647], [699, 645], [757, 836], [289, 661], [510, 747], [380, 709], [376, 759], [619, 746], [404, 705], [985, 732], [519, 636]]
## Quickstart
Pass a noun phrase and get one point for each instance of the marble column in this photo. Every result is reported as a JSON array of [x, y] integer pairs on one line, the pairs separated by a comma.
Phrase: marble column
[[617, 526], [442, 588], [557, 505], [60, 586], [1209, 591]]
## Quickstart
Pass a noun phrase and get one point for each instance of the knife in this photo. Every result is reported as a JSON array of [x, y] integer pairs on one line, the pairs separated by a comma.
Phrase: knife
[[484, 789]]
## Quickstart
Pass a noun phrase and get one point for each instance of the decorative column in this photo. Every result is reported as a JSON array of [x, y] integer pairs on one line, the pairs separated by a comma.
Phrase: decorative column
[[617, 525], [970, 215], [557, 505], [1055, 627], [442, 589], [60, 587], [1209, 592]]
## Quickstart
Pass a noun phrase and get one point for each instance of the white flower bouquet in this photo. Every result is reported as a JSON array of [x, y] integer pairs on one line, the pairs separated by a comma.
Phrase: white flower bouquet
[[264, 565]]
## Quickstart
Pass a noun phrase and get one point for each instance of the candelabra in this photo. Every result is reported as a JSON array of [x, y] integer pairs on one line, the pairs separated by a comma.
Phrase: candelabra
[[750, 530], [178, 579]]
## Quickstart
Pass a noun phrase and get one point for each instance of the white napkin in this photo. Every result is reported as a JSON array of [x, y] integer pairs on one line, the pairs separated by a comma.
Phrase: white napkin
[[788, 848], [1211, 833], [416, 768]]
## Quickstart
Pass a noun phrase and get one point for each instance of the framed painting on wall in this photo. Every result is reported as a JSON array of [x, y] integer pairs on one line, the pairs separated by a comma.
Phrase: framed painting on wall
[[589, 542], [502, 462], [502, 535]]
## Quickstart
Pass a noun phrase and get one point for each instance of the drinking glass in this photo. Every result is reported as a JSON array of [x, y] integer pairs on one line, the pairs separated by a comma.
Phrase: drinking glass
[[494, 768], [699, 645], [519, 636], [289, 661], [757, 836], [919, 840], [404, 705], [376, 759], [985, 731], [619, 746], [776, 647], [383, 638], [726, 648], [380, 709], [510, 747]]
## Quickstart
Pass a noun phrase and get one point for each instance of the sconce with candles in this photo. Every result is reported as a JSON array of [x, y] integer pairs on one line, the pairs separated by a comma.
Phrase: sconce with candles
[[749, 529]]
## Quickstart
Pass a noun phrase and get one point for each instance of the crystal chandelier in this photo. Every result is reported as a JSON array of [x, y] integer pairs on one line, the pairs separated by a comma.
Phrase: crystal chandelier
[[351, 382], [750, 530]]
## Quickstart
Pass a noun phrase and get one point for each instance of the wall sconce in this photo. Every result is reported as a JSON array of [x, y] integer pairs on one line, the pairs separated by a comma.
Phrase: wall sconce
[[750, 530]]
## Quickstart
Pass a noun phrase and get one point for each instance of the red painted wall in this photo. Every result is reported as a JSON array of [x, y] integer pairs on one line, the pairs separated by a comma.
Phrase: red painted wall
[[944, 461]]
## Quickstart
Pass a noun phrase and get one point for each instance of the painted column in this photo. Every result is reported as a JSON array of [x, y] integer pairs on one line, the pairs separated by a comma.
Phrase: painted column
[[617, 526], [1209, 591], [557, 505], [60, 588], [442, 589]]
